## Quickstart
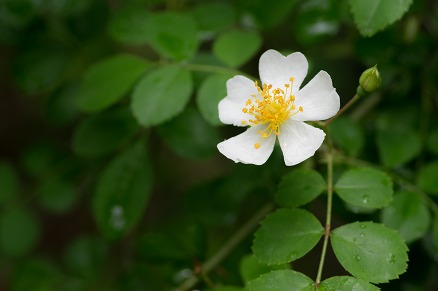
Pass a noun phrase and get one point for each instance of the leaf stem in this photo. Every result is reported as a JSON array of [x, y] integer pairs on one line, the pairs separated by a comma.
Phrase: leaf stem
[[343, 109], [223, 252], [329, 209]]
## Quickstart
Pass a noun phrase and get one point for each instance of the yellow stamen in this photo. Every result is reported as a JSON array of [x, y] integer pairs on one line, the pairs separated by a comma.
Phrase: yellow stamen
[[272, 107]]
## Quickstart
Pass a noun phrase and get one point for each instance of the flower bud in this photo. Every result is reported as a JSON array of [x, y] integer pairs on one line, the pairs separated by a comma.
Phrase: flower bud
[[370, 80]]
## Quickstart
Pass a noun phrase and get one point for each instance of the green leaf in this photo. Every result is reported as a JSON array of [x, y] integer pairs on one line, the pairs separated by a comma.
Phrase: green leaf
[[432, 142], [212, 90], [435, 231], [107, 81], [235, 48], [57, 195], [370, 251], [190, 136], [85, 256], [299, 187], [172, 35], [159, 247], [226, 288], [122, 192], [346, 283], [315, 22], [396, 147], [214, 16], [100, 134], [266, 13], [372, 16], [348, 135], [19, 232], [129, 25], [286, 235], [8, 183], [365, 187], [39, 69], [408, 215], [428, 178], [282, 280], [161, 95], [36, 275], [250, 268]]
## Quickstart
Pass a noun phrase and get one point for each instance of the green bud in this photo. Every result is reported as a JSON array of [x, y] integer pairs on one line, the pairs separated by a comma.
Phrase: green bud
[[370, 80]]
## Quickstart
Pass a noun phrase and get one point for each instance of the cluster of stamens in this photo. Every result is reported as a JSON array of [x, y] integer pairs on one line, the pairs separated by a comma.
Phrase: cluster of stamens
[[273, 108]]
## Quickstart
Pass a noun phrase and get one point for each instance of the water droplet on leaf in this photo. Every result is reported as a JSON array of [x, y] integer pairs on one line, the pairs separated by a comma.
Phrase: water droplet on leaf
[[362, 234], [365, 199], [357, 258], [391, 258], [362, 226], [117, 217]]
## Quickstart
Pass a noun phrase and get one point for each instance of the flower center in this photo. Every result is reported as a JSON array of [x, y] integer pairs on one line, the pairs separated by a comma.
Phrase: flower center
[[274, 108]]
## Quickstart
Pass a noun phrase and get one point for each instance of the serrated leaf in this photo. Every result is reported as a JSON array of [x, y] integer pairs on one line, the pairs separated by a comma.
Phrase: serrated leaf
[[372, 16], [172, 35], [161, 95], [281, 280], [428, 178], [107, 81], [212, 90], [286, 235], [250, 268], [346, 283], [408, 215], [190, 136], [9, 183], [101, 133], [235, 48], [365, 187], [19, 232], [299, 187], [348, 135], [370, 251], [397, 147], [122, 192]]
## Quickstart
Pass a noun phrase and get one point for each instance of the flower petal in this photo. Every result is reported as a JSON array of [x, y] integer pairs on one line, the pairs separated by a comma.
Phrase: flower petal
[[241, 147], [299, 141], [239, 90], [318, 99], [276, 69]]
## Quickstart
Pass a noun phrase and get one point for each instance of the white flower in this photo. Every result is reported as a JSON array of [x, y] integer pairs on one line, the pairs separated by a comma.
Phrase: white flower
[[278, 109]]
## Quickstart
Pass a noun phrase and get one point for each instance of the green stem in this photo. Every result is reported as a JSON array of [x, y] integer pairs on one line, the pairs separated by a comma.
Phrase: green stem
[[346, 106], [223, 252], [329, 210]]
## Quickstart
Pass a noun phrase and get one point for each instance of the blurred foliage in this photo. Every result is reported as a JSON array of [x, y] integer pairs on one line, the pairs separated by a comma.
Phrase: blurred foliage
[[109, 174]]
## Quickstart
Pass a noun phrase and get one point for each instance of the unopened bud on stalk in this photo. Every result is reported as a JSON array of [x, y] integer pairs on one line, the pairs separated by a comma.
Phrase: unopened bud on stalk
[[369, 81]]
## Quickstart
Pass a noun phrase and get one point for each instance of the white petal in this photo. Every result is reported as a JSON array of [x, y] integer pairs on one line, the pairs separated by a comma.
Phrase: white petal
[[276, 69], [318, 99], [239, 90], [241, 147], [299, 141]]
